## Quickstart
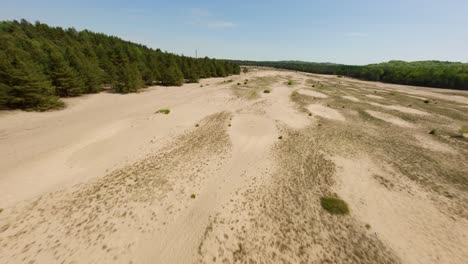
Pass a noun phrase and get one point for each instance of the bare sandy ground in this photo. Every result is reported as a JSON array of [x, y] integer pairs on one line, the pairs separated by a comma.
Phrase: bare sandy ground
[[235, 175]]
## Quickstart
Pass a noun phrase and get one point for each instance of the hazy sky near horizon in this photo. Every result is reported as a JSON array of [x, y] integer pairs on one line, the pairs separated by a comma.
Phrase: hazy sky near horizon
[[341, 31]]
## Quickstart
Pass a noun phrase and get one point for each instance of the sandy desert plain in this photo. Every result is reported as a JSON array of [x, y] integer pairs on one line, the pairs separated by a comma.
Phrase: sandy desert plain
[[235, 174]]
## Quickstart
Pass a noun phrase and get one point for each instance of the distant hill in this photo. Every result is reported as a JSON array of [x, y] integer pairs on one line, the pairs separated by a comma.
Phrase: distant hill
[[39, 64], [441, 74]]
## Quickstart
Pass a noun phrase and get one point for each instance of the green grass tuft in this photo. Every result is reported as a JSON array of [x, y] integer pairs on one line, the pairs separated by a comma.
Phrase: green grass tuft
[[163, 111], [334, 205], [266, 91], [290, 82]]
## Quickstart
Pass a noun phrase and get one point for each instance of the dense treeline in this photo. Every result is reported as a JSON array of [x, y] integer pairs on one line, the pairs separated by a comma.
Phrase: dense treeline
[[440, 74], [39, 64]]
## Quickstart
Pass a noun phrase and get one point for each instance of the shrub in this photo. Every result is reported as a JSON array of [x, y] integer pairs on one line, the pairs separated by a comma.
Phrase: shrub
[[266, 91], [290, 82], [193, 196], [334, 205], [426, 101], [163, 111], [432, 132]]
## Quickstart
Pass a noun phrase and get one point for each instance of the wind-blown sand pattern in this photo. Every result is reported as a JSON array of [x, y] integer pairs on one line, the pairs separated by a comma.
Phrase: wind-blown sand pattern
[[400, 108], [235, 175], [389, 118]]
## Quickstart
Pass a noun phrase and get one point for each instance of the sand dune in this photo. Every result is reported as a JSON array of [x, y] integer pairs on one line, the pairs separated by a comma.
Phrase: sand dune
[[235, 175]]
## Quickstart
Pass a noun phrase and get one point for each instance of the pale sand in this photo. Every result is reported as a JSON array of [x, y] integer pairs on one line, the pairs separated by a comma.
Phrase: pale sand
[[312, 93], [107, 180], [326, 112], [402, 109], [390, 118], [349, 97], [374, 96]]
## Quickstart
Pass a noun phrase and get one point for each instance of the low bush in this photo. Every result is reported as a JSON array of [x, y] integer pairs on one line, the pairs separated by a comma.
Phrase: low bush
[[334, 205], [163, 111]]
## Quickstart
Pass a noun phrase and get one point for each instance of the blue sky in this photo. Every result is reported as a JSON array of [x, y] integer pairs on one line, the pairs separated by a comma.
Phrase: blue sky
[[342, 31]]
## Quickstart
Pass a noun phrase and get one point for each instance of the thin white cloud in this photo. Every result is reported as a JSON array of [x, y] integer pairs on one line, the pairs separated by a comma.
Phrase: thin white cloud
[[356, 34], [204, 18]]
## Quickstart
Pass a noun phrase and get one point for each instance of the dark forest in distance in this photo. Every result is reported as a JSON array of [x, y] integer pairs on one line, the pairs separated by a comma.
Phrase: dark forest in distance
[[439, 74]]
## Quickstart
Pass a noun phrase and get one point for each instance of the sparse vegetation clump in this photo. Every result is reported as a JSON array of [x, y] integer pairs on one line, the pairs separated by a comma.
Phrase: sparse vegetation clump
[[163, 111], [266, 91], [290, 82], [193, 196], [334, 205], [432, 132]]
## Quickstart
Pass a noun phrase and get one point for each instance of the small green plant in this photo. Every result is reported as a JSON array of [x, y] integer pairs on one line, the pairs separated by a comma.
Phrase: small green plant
[[193, 196], [290, 82], [266, 91], [238, 84], [340, 76], [426, 101], [280, 137], [432, 132], [334, 205], [163, 111], [294, 94]]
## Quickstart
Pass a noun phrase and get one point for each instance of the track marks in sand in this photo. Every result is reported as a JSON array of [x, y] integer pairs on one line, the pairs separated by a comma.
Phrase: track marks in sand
[[109, 213], [282, 221]]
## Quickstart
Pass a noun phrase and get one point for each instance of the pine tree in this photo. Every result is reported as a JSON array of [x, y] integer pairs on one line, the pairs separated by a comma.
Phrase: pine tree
[[172, 75], [26, 87], [64, 78]]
